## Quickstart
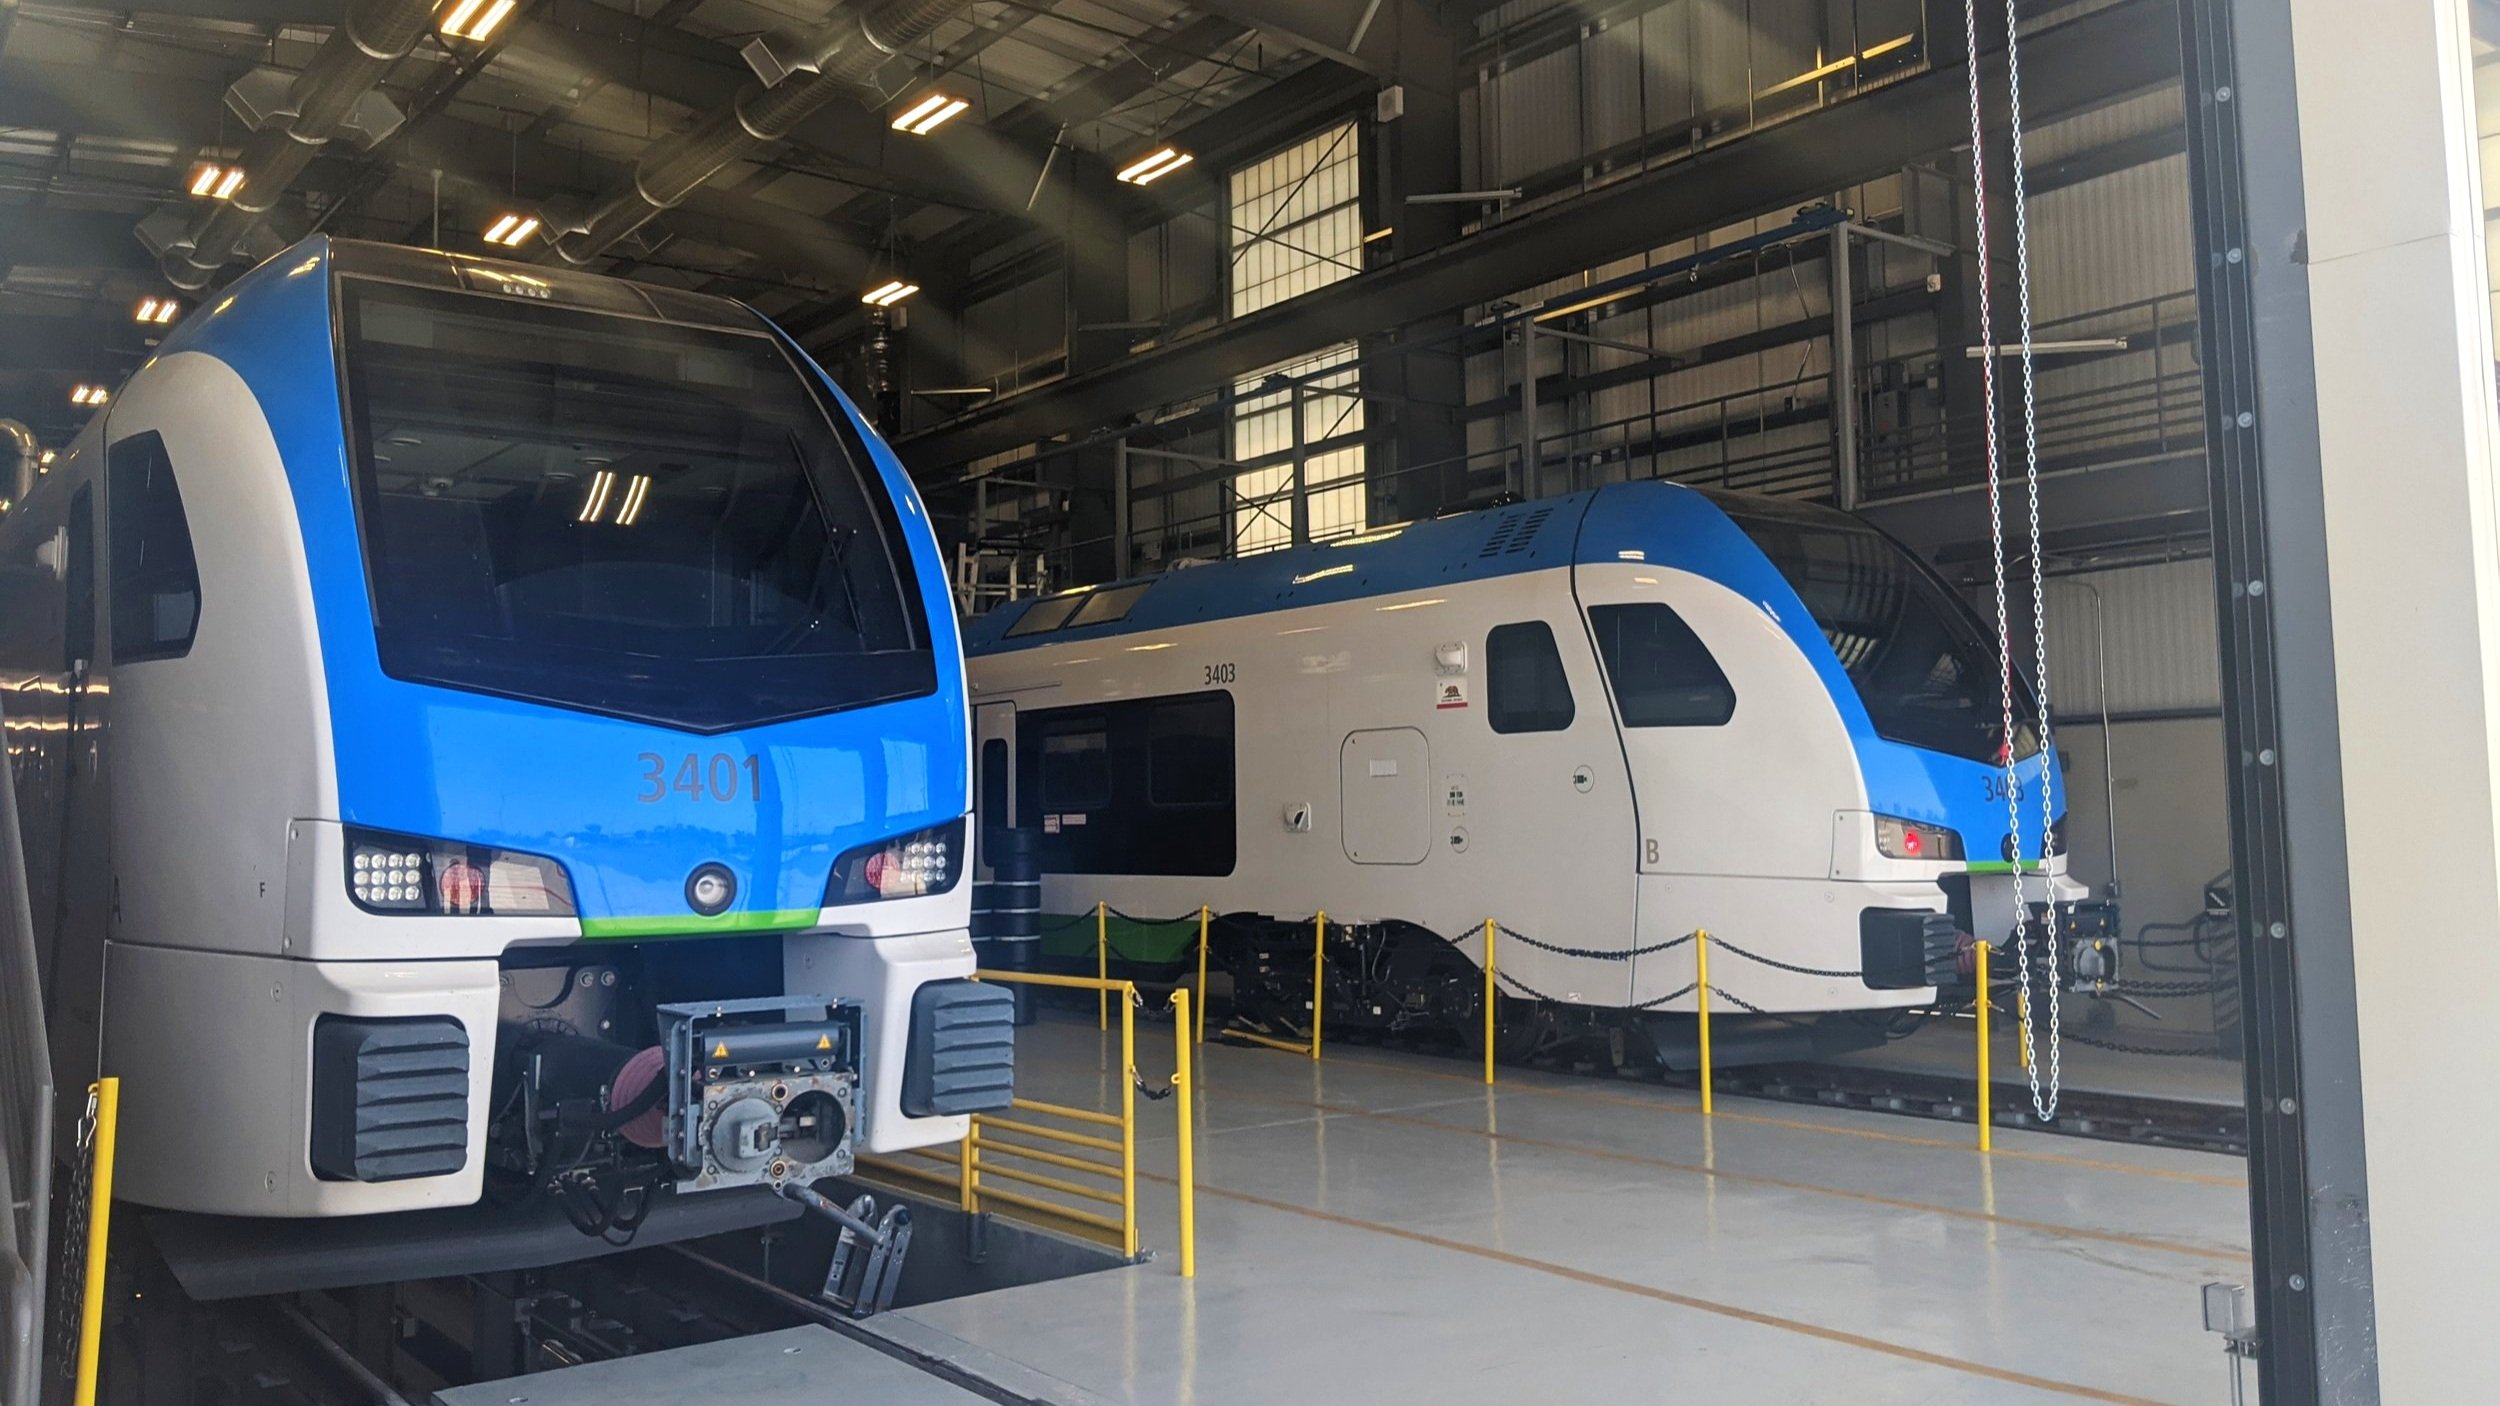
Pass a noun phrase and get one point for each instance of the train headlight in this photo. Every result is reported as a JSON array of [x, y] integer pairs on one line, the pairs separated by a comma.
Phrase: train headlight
[[401, 874], [1896, 838], [907, 866]]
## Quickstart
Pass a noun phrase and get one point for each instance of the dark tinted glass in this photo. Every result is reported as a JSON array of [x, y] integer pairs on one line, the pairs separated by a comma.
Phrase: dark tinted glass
[[1661, 672], [1922, 664], [1048, 614], [623, 516], [1076, 765], [1189, 751], [1524, 687], [156, 581], [78, 585], [1106, 605]]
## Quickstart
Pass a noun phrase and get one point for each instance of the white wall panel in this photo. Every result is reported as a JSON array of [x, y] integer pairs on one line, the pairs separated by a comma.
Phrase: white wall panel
[[2160, 640]]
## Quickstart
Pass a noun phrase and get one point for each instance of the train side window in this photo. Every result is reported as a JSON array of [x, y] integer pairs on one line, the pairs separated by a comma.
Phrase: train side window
[[155, 577], [1189, 751], [1525, 688], [1661, 672], [78, 582], [994, 764], [1076, 765]]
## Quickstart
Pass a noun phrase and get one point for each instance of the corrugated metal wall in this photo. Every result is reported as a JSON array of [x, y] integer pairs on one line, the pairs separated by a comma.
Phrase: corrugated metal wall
[[2155, 625]]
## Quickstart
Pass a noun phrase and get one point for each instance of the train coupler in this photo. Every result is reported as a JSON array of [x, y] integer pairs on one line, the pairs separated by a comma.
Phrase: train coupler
[[867, 1264]]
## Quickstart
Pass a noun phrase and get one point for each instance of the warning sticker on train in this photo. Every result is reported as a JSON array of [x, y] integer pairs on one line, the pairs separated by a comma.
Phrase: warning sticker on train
[[1449, 693]]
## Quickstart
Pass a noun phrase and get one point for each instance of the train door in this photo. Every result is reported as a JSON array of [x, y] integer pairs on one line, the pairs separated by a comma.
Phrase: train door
[[1384, 790], [993, 776]]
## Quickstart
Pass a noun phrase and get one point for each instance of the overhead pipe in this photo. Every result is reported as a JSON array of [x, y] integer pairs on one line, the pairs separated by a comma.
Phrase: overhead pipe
[[842, 57], [319, 106], [21, 458]]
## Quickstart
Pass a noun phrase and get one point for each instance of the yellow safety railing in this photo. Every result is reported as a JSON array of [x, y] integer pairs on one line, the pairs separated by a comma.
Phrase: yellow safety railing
[[1987, 1111], [996, 1163], [108, 1096]]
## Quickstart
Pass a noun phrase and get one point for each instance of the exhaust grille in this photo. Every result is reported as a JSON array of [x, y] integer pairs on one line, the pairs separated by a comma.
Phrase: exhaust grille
[[390, 1098], [962, 1057]]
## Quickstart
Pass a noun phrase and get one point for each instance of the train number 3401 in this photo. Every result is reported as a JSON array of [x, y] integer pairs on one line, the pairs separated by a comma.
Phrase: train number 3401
[[719, 777]]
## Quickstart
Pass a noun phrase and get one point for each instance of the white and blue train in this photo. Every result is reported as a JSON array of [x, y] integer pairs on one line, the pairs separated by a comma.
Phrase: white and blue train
[[1606, 720], [484, 726]]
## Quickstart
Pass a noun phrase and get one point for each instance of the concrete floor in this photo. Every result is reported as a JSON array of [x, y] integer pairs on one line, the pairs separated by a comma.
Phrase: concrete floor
[[1943, 1048], [1379, 1227]]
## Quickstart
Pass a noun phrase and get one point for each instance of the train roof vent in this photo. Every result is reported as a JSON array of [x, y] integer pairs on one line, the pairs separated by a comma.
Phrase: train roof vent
[[1514, 531]]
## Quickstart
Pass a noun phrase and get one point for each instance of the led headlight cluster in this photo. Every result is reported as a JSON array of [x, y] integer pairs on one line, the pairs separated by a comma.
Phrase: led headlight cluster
[[384, 877], [907, 866], [1896, 838], [401, 874]]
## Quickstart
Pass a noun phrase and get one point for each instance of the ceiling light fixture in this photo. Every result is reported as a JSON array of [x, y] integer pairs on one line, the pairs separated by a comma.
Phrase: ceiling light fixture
[[888, 293], [510, 230], [86, 394], [155, 311], [923, 117], [472, 20], [210, 181], [1154, 166]]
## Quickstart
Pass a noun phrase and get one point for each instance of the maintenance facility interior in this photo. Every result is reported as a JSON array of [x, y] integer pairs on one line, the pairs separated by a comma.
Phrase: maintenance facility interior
[[2139, 351]]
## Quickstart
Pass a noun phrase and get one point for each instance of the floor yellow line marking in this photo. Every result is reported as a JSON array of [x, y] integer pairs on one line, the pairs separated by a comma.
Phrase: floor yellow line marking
[[1511, 1085], [1710, 1306], [2206, 1254]]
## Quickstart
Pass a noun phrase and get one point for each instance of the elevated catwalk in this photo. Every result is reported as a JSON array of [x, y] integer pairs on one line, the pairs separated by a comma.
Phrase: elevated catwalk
[[1381, 1227]]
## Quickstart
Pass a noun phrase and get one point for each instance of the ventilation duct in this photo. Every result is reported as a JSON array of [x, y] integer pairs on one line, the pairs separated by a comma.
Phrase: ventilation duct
[[839, 60], [21, 457], [292, 120]]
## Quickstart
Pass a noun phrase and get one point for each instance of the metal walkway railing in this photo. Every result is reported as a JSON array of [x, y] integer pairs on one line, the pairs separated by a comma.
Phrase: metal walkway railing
[[25, 1120]]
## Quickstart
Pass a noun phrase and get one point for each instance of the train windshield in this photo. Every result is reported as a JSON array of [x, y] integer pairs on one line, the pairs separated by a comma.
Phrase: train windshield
[[1923, 666], [624, 516]]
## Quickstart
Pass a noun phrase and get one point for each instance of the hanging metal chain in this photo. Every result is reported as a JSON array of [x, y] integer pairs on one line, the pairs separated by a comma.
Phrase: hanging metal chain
[[1593, 954], [2045, 1107], [1724, 945]]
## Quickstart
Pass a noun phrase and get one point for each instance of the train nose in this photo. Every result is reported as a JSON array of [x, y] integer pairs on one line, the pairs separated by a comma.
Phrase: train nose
[[710, 889]]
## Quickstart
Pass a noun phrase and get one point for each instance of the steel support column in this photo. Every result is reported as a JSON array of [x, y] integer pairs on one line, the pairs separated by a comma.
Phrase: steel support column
[[1844, 373]]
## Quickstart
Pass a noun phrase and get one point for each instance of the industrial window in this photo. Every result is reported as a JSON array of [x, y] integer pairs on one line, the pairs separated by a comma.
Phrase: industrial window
[[1661, 672], [1076, 765], [1525, 689], [155, 589], [1189, 751], [1296, 227]]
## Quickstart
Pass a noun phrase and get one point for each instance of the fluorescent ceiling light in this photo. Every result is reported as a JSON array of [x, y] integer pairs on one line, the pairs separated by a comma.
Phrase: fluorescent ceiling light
[[1154, 166], [155, 311], [214, 182], [923, 117], [509, 230], [89, 395], [888, 293], [472, 19]]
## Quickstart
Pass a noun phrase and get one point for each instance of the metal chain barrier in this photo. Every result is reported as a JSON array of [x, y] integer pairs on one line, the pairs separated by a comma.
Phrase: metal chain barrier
[[2156, 1051], [1726, 946], [1590, 953]]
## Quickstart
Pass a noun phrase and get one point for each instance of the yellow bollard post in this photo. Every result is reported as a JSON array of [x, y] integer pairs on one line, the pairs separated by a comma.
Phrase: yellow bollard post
[[1202, 973], [99, 1228], [1319, 968], [968, 1193], [1701, 986], [1979, 955], [1488, 1000], [1128, 1118], [1182, 1094], [1102, 961]]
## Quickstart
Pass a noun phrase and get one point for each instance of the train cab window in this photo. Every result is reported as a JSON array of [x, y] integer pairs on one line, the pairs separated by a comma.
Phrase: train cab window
[[155, 579], [1525, 689], [1661, 672], [656, 520], [1189, 751], [1076, 765]]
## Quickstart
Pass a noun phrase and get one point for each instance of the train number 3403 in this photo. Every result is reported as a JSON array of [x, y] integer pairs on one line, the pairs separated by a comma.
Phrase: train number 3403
[[719, 777]]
